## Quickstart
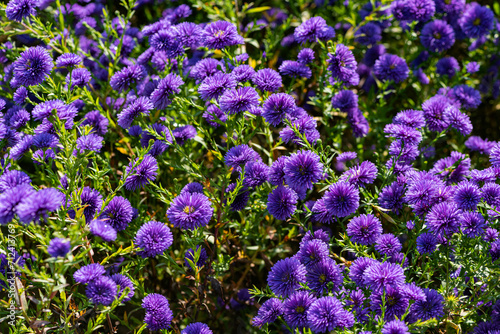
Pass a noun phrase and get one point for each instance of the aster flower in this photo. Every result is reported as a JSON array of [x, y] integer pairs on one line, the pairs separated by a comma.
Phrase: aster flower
[[467, 195], [197, 328], [395, 327], [214, 114], [473, 224], [358, 268], [102, 229], [395, 303], [183, 133], [243, 73], [282, 202], [364, 229], [388, 244], [447, 66], [342, 199], [237, 100], [239, 156], [45, 140], [426, 243], [161, 97], [79, 77], [153, 238], [458, 120], [190, 255], [305, 125], [368, 34], [167, 40], [240, 200], [295, 309], [127, 77], [468, 97], [360, 175], [343, 65], [303, 169], [69, 60], [18, 9], [141, 105], [88, 273], [322, 274], [221, 34], [434, 109], [33, 66], [256, 173], [101, 290], [277, 107], [98, 122], [118, 213], [490, 234], [20, 95], [268, 312], [391, 67], [59, 247], [326, 314], [472, 67], [443, 219], [13, 178], [382, 275], [490, 192], [277, 173], [267, 79], [453, 168], [138, 175], [450, 7], [477, 20], [190, 211], [345, 101], [189, 34], [312, 252], [305, 56], [295, 69], [158, 313], [391, 197], [205, 68], [285, 276], [310, 30], [9, 200], [90, 142], [321, 213], [214, 86], [124, 282], [193, 187], [483, 146], [39, 204], [431, 307], [437, 36]]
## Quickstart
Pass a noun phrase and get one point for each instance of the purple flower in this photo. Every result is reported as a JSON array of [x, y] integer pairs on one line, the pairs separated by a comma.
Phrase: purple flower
[[451, 7], [382, 275], [468, 97], [368, 34], [190, 256], [311, 30], [88, 273], [426, 243], [396, 303], [256, 173], [282, 202], [490, 192], [239, 156], [342, 199], [189, 34], [305, 56], [277, 107], [90, 142], [477, 20], [243, 73], [118, 213], [153, 238], [79, 77], [364, 229], [213, 115], [473, 224], [360, 175], [161, 97], [127, 77], [437, 36], [285, 276], [237, 100], [68, 60], [98, 122], [220, 34], [197, 328], [388, 244], [322, 274], [472, 67], [101, 290], [267, 79], [205, 68], [343, 65], [268, 312], [305, 125], [20, 96], [391, 67], [183, 133], [59, 247], [358, 268], [156, 131], [312, 252], [9, 200], [395, 327], [458, 120], [158, 313], [277, 173], [18, 9], [141, 105], [443, 219], [295, 69], [391, 197], [190, 211], [214, 86], [102, 229], [431, 307], [295, 309], [447, 66], [303, 169], [138, 175], [345, 101], [167, 40], [326, 314], [467, 195], [13, 178], [495, 155], [39, 204], [124, 282], [33, 66]]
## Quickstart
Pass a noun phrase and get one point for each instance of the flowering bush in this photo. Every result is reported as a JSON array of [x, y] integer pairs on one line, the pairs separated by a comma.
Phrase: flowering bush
[[220, 167]]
